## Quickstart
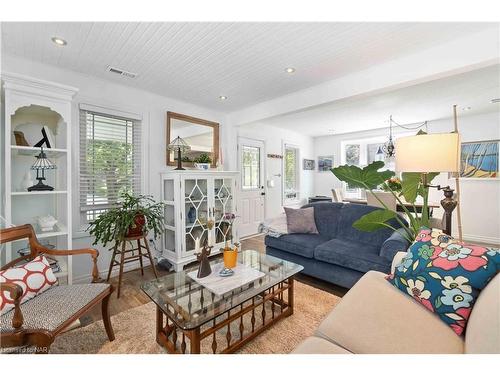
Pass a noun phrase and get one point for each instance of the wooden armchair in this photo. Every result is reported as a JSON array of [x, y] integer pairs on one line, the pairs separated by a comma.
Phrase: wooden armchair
[[38, 321]]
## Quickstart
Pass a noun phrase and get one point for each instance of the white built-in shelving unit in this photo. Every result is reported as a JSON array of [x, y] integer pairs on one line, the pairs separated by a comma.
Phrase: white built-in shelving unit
[[28, 104]]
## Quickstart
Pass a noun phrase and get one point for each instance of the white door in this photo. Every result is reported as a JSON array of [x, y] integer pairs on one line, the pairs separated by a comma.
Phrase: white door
[[252, 192]]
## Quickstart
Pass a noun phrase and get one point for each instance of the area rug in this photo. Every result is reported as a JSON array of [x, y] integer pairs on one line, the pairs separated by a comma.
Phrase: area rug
[[135, 329]]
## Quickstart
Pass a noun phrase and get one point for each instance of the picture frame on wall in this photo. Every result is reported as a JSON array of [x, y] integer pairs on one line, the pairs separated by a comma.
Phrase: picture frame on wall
[[308, 164], [325, 163], [480, 160]]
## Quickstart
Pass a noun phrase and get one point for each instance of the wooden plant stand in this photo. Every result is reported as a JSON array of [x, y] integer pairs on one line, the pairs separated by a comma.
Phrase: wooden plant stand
[[120, 249]]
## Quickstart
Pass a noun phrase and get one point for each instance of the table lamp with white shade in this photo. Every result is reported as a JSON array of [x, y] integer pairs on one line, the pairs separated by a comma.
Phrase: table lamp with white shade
[[427, 153]]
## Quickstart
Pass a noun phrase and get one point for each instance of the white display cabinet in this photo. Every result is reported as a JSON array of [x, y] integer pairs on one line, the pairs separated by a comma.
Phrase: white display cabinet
[[29, 104], [192, 198]]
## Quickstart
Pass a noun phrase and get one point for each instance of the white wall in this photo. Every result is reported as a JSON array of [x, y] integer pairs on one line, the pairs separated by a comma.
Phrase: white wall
[[480, 199], [274, 138], [102, 93]]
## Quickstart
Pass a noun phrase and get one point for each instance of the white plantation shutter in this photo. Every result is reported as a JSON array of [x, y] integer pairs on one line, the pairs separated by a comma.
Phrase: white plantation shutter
[[110, 161]]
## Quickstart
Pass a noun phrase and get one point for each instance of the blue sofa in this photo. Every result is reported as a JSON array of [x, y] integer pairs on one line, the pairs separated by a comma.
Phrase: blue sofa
[[339, 254]]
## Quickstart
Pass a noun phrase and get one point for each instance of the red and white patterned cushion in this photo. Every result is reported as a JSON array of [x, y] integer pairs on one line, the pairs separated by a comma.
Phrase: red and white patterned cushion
[[34, 278]]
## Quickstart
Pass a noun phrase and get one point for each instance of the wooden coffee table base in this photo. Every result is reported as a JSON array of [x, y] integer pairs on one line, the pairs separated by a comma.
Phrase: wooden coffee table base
[[259, 313]]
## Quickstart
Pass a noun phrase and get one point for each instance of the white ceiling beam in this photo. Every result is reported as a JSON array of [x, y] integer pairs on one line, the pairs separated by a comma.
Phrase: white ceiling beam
[[458, 56]]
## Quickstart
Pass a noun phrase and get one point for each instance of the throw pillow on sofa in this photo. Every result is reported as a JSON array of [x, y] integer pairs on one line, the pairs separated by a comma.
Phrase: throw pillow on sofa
[[34, 278], [446, 276], [300, 220]]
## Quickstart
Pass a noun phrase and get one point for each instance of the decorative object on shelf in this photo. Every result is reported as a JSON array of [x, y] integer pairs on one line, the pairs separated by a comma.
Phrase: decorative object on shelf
[[325, 163], [46, 223], [136, 214], [41, 164], [479, 159], [308, 165], [27, 181], [191, 215], [179, 145], [20, 140], [202, 162], [274, 156], [46, 140]]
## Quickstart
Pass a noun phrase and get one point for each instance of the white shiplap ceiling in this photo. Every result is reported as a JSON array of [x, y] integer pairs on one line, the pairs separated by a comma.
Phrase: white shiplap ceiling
[[428, 101], [198, 62]]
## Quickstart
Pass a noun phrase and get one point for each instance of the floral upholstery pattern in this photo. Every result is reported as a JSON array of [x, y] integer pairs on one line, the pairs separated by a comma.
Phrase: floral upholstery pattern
[[446, 276]]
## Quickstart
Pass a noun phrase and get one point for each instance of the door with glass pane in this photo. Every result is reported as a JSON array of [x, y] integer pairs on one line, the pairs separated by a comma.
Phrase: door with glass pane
[[252, 192], [195, 212]]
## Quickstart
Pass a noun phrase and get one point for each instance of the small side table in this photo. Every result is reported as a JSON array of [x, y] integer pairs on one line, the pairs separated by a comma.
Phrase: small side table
[[120, 249]]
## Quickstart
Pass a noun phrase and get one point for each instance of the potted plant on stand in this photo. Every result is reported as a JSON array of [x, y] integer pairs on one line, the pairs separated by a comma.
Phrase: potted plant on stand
[[136, 216]]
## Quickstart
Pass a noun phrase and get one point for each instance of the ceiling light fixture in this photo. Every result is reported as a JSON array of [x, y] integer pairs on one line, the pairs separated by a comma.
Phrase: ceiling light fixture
[[222, 97], [59, 41], [495, 100], [290, 70]]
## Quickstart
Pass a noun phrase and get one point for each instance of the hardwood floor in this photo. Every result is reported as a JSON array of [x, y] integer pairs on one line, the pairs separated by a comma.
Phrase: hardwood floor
[[132, 295]]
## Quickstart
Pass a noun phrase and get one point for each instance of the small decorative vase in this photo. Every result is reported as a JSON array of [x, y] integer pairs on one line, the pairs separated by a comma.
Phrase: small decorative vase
[[27, 181], [202, 166], [46, 223], [191, 215], [230, 257]]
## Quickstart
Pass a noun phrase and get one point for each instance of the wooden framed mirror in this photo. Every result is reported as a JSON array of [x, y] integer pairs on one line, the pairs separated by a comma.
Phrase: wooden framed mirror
[[201, 135]]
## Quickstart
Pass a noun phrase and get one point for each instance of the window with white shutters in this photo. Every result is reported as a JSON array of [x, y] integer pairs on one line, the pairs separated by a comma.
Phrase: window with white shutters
[[110, 161]]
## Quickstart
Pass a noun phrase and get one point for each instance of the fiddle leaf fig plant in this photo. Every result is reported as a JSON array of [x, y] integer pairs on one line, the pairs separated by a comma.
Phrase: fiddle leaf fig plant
[[371, 178], [114, 224]]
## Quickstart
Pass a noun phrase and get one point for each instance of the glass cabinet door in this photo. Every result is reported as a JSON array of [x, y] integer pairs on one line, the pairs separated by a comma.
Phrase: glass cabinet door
[[195, 213], [223, 204]]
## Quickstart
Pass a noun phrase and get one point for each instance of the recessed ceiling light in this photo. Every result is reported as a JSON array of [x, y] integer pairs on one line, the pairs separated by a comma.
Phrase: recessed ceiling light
[[59, 41], [495, 100], [223, 97], [466, 108], [290, 70]]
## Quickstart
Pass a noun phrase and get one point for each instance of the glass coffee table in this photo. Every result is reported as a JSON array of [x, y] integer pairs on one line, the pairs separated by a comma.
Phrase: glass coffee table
[[190, 317]]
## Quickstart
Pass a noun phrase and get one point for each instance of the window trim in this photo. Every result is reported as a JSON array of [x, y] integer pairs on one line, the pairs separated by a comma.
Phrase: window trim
[[79, 228], [284, 200]]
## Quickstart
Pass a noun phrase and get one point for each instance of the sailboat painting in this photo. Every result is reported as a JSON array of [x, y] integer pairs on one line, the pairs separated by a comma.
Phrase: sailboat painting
[[479, 159]]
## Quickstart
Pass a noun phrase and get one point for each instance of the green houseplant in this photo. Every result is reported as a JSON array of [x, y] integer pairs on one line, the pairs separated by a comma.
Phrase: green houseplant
[[203, 159], [371, 178], [136, 215]]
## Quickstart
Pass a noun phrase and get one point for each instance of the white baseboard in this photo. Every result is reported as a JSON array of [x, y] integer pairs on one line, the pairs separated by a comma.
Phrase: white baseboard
[[488, 240], [83, 279]]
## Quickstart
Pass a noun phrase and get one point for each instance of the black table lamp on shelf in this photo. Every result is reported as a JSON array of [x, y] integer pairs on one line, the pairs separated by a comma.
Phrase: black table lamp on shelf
[[41, 164], [179, 145]]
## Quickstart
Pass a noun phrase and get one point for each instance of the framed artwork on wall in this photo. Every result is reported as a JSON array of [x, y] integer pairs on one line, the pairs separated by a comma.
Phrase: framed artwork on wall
[[479, 159], [325, 163], [308, 165]]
